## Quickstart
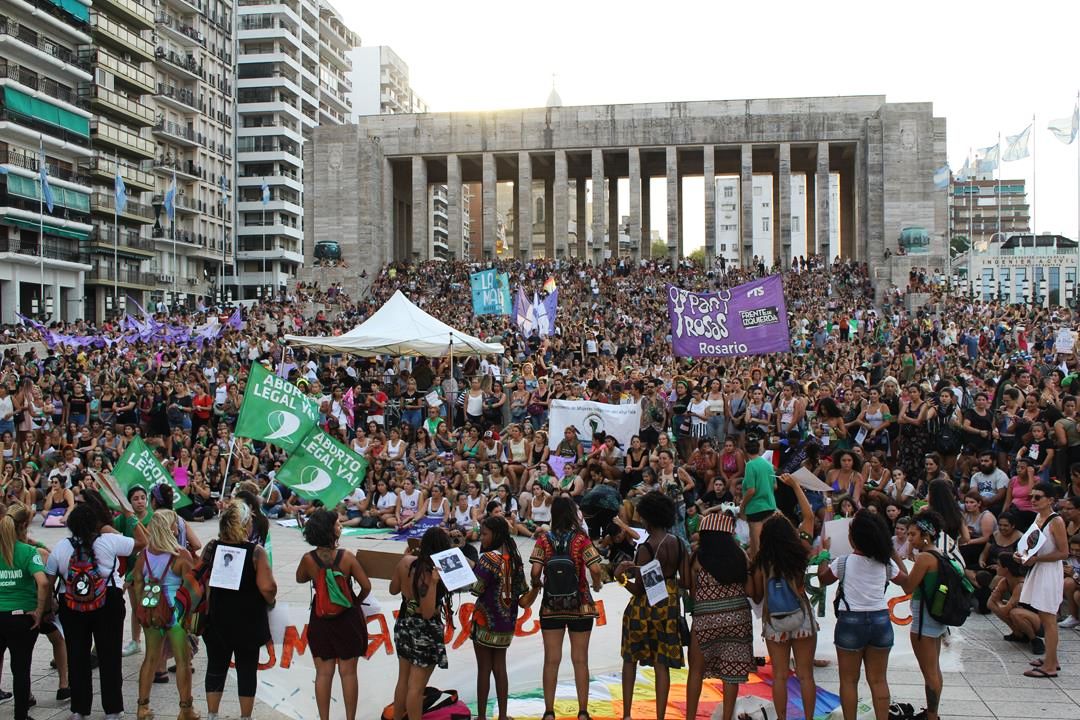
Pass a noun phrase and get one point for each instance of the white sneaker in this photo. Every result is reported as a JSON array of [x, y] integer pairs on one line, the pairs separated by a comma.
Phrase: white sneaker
[[1069, 622], [132, 648]]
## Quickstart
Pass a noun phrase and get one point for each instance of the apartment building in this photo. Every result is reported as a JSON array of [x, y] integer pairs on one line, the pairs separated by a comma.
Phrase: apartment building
[[42, 112], [292, 75]]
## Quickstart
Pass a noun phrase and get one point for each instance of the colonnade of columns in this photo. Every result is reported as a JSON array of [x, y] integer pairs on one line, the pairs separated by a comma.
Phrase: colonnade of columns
[[567, 173]]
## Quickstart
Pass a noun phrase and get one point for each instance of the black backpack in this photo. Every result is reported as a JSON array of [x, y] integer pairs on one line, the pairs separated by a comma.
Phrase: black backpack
[[950, 602], [561, 588]]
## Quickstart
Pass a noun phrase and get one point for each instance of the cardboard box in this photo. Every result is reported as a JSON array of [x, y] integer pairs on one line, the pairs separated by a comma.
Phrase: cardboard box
[[379, 564]]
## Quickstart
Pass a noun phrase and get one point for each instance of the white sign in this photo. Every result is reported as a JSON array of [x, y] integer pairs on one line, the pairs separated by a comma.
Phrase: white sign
[[1031, 542], [1065, 341], [228, 567], [621, 421], [837, 532], [652, 578], [454, 569], [810, 481]]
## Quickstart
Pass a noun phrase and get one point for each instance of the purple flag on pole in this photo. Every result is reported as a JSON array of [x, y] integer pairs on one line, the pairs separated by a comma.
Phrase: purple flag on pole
[[236, 320], [748, 319]]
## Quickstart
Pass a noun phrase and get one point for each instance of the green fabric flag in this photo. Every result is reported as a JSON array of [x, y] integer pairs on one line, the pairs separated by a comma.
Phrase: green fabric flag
[[321, 468], [139, 466], [274, 410]]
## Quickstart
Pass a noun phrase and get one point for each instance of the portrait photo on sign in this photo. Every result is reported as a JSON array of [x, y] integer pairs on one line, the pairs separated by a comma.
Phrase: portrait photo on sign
[[454, 570], [228, 568]]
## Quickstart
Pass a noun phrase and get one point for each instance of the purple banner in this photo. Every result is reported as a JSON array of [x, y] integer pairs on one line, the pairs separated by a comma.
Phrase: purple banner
[[749, 319]]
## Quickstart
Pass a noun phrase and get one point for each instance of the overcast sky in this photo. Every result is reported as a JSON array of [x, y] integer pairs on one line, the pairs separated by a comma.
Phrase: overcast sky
[[987, 67]]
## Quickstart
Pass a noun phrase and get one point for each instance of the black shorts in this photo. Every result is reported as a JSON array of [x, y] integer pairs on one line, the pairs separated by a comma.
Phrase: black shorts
[[574, 625], [760, 516]]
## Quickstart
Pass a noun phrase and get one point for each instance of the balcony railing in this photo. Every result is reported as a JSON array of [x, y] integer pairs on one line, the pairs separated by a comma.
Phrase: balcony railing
[[171, 128], [116, 31], [30, 37], [47, 128], [106, 201], [179, 26], [107, 132], [105, 234], [184, 167], [48, 86], [125, 71], [124, 104], [29, 246], [29, 161], [126, 277], [180, 95], [187, 63]]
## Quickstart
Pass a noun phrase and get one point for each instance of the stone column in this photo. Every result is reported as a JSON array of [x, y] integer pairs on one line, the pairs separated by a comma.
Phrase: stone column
[[636, 248], [599, 198], [822, 197], [746, 204], [487, 197], [421, 210], [386, 176], [811, 214], [646, 217], [613, 217], [523, 221], [561, 210], [453, 207], [549, 218], [847, 213], [709, 172], [782, 229], [511, 245], [674, 242], [582, 223]]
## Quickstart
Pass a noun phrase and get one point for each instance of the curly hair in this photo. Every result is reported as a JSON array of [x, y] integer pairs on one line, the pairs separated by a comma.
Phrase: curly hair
[[657, 510], [319, 529], [780, 551]]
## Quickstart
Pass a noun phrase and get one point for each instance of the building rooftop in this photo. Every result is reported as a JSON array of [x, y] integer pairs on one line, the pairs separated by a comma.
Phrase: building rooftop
[[1029, 240]]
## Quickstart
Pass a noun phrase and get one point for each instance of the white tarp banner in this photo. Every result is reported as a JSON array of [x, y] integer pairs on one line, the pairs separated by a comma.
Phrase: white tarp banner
[[622, 421], [287, 672]]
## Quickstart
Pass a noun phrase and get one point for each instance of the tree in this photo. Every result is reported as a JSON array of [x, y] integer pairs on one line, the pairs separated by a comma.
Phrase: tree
[[959, 245], [659, 249], [697, 257]]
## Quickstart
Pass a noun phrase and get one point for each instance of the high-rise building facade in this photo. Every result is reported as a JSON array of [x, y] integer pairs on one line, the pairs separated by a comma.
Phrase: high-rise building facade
[[380, 83], [44, 65], [293, 74], [988, 211]]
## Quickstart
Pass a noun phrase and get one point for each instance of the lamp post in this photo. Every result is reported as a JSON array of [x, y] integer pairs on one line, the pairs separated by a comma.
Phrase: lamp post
[[158, 203]]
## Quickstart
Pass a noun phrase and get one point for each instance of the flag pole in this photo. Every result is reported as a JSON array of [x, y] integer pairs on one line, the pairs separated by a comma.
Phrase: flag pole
[[116, 241], [971, 231], [450, 406], [41, 224]]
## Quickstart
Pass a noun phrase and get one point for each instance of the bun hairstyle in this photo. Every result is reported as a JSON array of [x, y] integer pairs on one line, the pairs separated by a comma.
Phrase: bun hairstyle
[[233, 525]]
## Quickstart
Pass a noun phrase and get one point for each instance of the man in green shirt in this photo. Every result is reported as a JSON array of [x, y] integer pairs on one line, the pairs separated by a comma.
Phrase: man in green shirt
[[758, 498]]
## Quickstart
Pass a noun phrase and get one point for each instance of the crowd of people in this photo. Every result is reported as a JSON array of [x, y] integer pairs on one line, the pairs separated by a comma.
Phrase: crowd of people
[[944, 431]]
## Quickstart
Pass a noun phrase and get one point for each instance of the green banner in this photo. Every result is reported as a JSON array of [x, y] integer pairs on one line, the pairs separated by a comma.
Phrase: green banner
[[139, 466], [274, 410], [321, 468]]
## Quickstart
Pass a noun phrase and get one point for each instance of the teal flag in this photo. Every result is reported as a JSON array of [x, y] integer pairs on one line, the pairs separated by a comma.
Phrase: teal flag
[[490, 292], [321, 468], [275, 411], [139, 466]]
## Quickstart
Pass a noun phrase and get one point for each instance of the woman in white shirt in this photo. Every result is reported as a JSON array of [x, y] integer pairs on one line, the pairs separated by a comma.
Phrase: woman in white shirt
[[864, 632], [91, 533], [407, 504]]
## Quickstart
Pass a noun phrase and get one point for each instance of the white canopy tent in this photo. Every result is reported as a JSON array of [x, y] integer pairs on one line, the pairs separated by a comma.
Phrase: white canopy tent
[[399, 328]]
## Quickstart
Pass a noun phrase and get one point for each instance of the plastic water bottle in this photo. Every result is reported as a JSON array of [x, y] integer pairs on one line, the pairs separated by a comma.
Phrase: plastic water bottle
[[939, 599], [828, 505]]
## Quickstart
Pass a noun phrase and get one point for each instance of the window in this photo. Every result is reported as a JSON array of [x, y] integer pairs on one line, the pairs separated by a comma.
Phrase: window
[[729, 192], [796, 224], [765, 224], [539, 216], [723, 247], [765, 203], [757, 191]]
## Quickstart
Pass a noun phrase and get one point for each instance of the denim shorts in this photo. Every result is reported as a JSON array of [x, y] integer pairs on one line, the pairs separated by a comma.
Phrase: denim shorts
[[858, 630], [925, 626]]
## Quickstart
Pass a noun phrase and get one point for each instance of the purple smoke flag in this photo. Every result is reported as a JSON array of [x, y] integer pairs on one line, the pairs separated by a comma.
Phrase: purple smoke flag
[[522, 309], [748, 319], [236, 320], [30, 321]]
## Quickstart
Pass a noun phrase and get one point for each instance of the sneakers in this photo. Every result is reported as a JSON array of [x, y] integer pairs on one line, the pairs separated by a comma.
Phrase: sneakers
[[132, 648], [5, 696], [1069, 622], [63, 694]]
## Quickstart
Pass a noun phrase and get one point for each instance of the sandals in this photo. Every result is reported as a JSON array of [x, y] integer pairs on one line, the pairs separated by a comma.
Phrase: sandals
[[1038, 672], [548, 715]]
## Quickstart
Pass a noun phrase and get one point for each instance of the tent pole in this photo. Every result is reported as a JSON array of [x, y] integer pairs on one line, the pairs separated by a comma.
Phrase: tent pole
[[451, 402]]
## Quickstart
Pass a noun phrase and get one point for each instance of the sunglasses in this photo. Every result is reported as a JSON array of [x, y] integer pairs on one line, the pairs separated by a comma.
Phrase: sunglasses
[[1038, 497]]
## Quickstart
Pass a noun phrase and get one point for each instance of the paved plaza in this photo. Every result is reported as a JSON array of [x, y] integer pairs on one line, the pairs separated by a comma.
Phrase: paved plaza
[[991, 685]]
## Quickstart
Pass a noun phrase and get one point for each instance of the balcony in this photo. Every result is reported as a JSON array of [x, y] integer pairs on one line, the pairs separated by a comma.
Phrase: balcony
[[31, 39], [132, 11], [132, 278], [177, 133], [179, 30], [132, 111], [188, 6], [28, 160], [113, 32], [179, 98], [105, 203], [116, 137], [54, 250], [30, 79], [187, 169], [125, 72], [185, 65], [129, 242]]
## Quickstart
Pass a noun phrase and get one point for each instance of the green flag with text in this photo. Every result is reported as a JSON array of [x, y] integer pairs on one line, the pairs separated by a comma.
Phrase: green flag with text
[[139, 466], [321, 468], [274, 410]]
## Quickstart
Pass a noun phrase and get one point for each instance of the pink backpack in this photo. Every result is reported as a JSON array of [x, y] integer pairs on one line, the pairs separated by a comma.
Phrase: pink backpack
[[438, 705]]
